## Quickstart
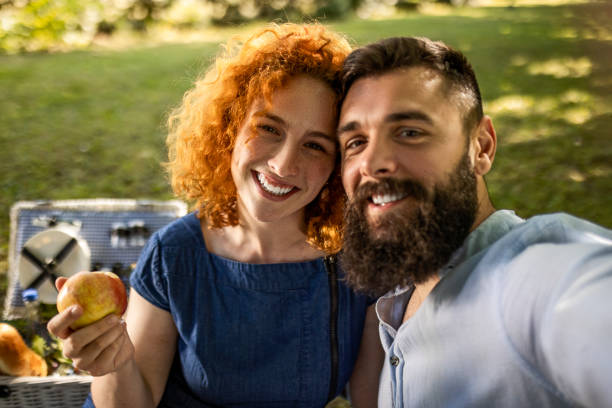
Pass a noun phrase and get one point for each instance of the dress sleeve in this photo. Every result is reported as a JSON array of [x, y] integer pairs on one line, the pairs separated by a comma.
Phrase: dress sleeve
[[149, 278], [556, 308]]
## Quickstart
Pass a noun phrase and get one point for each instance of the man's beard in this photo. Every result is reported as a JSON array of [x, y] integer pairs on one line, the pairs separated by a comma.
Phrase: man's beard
[[407, 247]]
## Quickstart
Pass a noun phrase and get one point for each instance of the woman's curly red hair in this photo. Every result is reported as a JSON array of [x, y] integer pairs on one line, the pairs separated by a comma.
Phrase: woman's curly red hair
[[203, 129]]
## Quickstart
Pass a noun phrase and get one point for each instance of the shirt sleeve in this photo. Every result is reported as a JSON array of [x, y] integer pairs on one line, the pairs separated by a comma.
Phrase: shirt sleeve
[[149, 278], [557, 307]]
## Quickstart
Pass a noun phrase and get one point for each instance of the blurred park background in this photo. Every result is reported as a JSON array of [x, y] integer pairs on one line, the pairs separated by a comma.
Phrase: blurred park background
[[85, 86]]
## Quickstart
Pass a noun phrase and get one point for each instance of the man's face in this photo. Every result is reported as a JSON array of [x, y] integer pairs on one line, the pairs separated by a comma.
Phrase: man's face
[[409, 177]]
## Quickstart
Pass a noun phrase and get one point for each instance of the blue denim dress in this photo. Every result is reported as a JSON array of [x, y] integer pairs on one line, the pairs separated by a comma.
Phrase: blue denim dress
[[249, 335]]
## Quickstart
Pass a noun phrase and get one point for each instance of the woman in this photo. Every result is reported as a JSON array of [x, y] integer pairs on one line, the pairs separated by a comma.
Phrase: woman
[[238, 303]]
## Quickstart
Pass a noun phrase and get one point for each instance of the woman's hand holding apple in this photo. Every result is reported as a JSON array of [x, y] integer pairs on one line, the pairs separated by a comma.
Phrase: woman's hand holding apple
[[100, 347]]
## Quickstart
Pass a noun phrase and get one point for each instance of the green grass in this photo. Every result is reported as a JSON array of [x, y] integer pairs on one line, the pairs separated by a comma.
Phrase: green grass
[[91, 123]]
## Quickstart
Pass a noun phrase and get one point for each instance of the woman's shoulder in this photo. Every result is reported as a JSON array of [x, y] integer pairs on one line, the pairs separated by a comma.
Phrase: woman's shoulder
[[182, 232]]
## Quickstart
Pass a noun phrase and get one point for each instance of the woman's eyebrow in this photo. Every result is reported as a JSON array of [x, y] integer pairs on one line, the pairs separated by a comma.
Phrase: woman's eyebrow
[[270, 116], [281, 121], [322, 135]]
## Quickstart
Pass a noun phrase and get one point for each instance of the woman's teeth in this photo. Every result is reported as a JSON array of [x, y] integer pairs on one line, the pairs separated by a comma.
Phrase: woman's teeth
[[270, 188], [386, 198]]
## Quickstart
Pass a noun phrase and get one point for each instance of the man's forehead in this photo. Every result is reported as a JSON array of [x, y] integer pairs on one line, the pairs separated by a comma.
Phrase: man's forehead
[[400, 89], [400, 79]]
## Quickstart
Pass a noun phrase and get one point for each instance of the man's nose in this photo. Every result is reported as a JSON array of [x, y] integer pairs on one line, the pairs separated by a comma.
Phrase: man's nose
[[379, 159], [284, 162]]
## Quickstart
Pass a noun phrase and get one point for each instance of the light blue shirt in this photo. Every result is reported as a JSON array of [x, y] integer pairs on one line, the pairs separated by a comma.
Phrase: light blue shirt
[[522, 317]]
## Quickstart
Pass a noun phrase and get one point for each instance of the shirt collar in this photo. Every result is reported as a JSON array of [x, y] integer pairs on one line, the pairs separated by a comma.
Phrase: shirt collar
[[489, 231], [390, 307]]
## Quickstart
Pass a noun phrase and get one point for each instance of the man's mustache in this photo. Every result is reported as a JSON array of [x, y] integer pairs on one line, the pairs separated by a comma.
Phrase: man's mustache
[[389, 186]]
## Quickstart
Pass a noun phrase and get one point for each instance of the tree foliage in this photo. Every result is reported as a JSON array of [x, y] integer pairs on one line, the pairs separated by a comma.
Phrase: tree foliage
[[35, 25]]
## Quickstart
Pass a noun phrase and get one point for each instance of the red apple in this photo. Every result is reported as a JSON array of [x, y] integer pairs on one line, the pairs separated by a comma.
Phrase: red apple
[[98, 293]]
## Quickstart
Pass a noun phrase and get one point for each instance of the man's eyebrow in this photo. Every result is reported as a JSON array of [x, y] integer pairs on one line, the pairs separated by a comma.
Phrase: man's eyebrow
[[408, 115], [354, 125], [392, 117]]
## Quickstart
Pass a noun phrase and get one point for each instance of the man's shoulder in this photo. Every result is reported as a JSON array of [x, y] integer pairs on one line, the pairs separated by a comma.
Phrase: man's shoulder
[[553, 231], [561, 228]]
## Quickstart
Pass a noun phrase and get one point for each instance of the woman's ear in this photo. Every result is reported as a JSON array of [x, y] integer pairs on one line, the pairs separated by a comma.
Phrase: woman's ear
[[484, 144]]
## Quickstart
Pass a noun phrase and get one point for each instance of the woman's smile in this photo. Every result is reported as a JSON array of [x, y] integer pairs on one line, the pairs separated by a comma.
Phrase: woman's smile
[[273, 189]]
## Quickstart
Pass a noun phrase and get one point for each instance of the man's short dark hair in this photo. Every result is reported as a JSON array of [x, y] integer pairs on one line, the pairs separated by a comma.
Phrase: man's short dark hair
[[405, 52]]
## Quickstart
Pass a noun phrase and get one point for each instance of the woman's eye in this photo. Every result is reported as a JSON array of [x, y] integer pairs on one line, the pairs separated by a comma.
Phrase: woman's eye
[[315, 146], [268, 129]]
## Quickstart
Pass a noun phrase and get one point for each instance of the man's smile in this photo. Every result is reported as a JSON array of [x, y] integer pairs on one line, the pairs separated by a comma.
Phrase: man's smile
[[387, 199]]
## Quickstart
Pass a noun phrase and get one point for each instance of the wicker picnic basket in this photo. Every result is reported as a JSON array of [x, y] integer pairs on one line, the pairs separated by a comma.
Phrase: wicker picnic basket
[[97, 221], [49, 392]]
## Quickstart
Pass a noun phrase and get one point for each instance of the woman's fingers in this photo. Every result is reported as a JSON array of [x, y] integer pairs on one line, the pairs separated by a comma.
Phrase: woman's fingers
[[59, 282], [59, 325], [99, 356], [113, 356], [101, 347], [81, 338]]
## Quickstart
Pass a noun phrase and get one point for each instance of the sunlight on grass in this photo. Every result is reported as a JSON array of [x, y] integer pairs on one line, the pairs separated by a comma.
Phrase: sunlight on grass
[[565, 32], [579, 176], [436, 9], [519, 60], [577, 116], [573, 107], [576, 176], [600, 171], [562, 67], [524, 3], [575, 96], [440, 9], [374, 10], [159, 35], [526, 133], [516, 104]]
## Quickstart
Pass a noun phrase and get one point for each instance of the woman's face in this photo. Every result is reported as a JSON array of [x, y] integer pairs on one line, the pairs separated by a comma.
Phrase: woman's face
[[285, 152]]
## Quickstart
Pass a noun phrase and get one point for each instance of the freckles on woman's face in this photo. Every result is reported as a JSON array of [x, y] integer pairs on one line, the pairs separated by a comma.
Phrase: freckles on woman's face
[[285, 150]]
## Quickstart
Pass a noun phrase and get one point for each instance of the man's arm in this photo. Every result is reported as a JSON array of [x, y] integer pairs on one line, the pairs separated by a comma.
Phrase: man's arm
[[557, 309]]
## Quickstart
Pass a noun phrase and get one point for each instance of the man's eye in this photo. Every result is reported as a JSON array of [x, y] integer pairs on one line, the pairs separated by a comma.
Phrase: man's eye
[[409, 133], [353, 144]]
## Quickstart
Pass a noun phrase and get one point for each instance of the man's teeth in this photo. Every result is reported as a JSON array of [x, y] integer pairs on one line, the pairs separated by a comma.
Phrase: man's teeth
[[272, 188], [386, 198]]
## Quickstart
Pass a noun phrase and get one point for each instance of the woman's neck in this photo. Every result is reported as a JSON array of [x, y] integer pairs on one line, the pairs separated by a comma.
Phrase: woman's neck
[[254, 241]]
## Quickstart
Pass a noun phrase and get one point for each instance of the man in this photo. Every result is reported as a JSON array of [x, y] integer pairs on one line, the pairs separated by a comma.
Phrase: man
[[483, 308]]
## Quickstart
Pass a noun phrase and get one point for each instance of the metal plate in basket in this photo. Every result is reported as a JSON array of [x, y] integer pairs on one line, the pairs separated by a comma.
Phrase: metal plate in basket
[[49, 254]]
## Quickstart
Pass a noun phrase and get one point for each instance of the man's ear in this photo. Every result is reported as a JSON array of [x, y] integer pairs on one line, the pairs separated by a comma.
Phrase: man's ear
[[484, 145]]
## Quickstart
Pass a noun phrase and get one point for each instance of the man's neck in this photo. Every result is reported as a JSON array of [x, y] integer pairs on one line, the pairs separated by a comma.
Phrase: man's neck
[[485, 206], [418, 296]]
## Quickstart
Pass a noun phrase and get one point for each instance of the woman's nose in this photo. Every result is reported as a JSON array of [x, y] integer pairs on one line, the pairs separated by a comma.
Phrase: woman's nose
[[284, 162]]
